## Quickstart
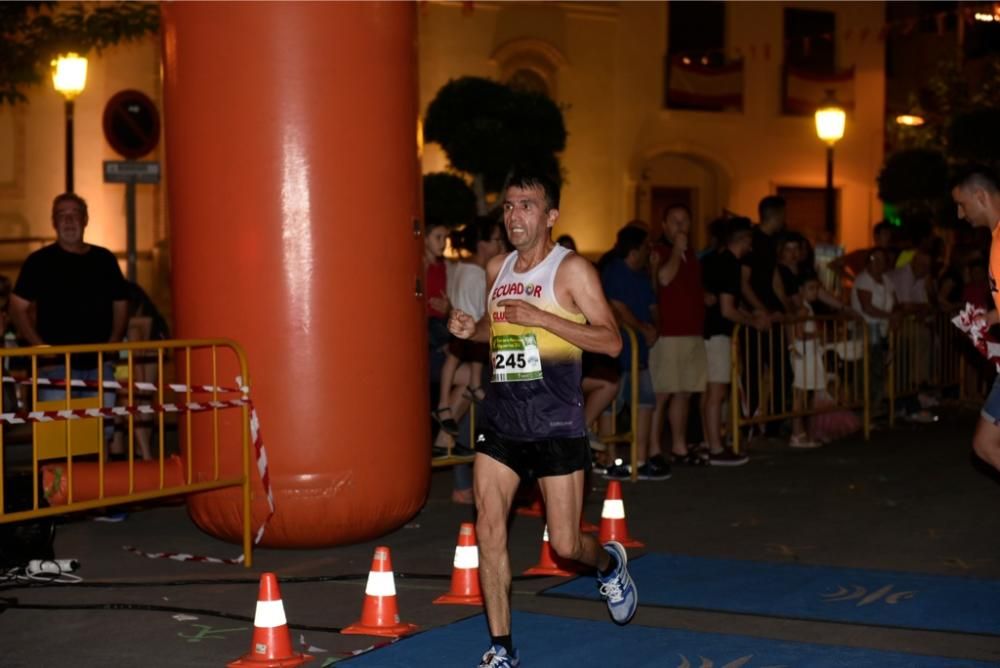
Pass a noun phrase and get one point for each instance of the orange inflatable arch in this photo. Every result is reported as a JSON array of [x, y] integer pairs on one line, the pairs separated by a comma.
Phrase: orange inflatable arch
[[293, 185]]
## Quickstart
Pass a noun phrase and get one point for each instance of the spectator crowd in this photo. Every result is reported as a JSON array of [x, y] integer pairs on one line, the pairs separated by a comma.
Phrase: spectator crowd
[[684, 305]]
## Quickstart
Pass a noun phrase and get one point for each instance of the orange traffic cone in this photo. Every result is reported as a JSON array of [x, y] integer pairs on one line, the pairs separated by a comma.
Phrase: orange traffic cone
[[465, 573], [271, 645], [547, 562], [613, 525], [379, 615]]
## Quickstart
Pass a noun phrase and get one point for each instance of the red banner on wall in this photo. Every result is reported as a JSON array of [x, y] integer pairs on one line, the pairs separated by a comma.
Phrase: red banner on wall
[[692, 85], [804, 90]]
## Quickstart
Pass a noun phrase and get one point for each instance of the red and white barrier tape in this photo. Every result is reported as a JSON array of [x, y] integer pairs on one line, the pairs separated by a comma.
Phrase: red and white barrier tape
[[260, 454], [265, 478], [23, 417], [972, 321], [181, 556], [115, 385], [262, 470]]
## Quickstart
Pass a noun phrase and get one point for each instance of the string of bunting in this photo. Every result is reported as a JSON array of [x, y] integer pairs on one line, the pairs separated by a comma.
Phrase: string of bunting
[[901, 27]]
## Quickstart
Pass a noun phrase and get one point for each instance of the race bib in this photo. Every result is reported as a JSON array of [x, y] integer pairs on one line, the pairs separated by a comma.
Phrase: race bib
[[515, 358]]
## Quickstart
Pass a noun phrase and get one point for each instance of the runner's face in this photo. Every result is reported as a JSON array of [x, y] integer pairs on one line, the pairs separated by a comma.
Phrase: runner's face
[[972, 205], [527, 216], [69, 222]]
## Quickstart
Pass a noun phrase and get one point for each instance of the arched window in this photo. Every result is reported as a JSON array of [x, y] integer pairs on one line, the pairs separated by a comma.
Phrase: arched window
[[529, 80], [530, 64]]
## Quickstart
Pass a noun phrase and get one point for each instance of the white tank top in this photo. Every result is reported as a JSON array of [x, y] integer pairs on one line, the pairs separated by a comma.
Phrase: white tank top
[[535, 391]]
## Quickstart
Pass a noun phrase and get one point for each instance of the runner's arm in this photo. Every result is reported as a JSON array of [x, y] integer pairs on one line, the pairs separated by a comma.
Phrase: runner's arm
[[459, 322], [600, 333]]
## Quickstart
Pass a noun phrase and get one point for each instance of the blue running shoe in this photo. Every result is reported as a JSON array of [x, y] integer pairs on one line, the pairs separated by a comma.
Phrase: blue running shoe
[[618, 589], [497, 657]]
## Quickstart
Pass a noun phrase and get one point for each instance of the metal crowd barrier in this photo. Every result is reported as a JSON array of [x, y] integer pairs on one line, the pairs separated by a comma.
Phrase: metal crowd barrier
[[632, 435], [62, 437], [450, 459], [834, 358], [924, 352]]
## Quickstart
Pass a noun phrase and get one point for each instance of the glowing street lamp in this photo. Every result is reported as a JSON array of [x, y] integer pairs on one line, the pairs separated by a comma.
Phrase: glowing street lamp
[[69, 77], [910, 120], [830, 121]]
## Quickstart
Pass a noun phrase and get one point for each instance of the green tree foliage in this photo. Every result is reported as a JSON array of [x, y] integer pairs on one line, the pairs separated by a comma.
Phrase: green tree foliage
[[974, 136], [951, 101], [448, 199], [485, 128], [33, 33], [915, 182], [961, 105]]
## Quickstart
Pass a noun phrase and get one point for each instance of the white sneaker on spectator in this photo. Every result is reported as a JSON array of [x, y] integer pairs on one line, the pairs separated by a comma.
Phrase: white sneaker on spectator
[[922, 417], [727, 458], [927, 400], [595, 443], [802, 441]]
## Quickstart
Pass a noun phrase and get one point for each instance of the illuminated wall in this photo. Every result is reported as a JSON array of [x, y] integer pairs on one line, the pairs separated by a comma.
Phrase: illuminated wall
[[32, 145], [604, 62]]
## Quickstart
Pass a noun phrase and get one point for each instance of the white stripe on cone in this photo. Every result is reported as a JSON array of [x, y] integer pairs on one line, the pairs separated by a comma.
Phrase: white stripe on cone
[[380, 584], [269, 614], [466, 556], [545, 534], [614, 509]]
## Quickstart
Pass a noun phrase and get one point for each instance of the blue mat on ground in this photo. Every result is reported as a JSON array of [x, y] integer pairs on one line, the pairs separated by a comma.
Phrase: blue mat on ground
[[558, 642], [854, 596]]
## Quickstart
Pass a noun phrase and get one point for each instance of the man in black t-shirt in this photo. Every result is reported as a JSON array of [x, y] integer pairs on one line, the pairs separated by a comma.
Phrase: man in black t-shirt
[[722, 277], [758, 290], [77, 291]]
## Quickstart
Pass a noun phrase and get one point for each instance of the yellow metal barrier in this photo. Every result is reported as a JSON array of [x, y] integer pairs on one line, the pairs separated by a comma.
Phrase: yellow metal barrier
[[82, 443], [765, 394], [924, 353], [450, 459], [632, 436]]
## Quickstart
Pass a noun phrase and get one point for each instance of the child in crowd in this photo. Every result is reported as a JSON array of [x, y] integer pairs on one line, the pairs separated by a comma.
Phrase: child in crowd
[[477, 243], [808, 371], [438, 306]]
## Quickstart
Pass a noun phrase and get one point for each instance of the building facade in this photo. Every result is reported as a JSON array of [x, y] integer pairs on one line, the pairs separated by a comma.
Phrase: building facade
[[663, 102], [709, 121]]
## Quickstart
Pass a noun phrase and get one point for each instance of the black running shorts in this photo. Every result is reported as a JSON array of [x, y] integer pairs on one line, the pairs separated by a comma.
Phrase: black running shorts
[[537, 459]]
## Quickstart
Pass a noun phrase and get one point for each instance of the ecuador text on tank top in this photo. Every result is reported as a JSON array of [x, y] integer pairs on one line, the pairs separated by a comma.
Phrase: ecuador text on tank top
[[535, 391]]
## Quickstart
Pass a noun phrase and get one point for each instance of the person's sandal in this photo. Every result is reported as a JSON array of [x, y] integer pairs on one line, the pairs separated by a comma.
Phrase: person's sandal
[[688, 459], [448, 424]]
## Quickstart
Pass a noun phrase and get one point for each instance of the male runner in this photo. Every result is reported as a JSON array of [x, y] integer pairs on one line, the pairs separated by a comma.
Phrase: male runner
[[977, 194], [544, 307]]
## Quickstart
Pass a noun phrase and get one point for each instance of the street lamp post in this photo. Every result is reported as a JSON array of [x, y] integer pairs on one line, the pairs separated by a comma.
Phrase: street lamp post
[[830, 121], [69, 77]]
